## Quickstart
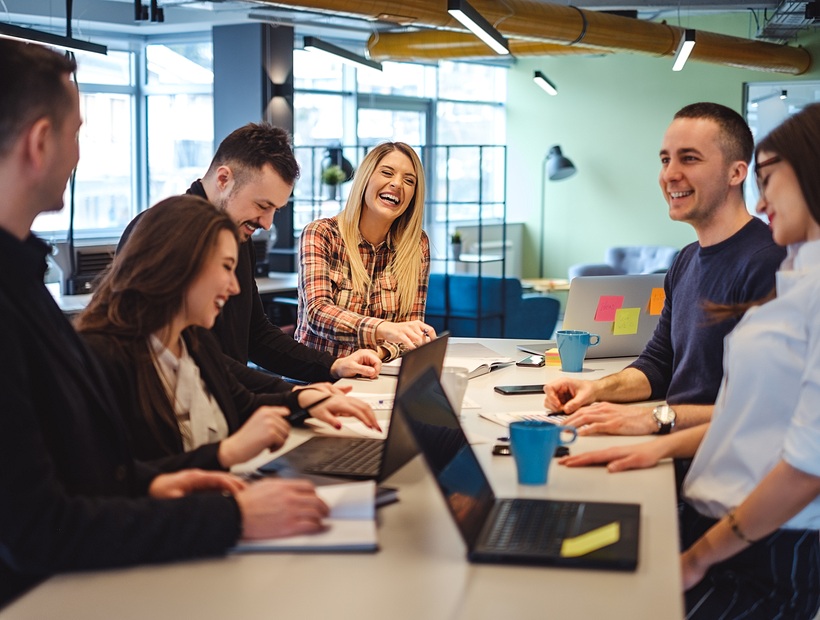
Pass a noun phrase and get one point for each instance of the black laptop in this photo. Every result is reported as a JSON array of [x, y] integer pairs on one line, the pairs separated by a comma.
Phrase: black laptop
[[507, 531], [364, 458]]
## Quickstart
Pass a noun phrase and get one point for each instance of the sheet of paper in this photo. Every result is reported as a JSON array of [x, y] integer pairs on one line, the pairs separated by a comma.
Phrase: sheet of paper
[[351, 525], [384, 402], [351, 427]]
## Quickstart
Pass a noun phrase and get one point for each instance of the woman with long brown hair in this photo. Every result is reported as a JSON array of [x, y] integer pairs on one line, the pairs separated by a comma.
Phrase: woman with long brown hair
[[149, 322]]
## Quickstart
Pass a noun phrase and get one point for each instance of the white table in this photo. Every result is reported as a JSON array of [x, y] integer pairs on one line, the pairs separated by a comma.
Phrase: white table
[[421, 570], [274, 284]]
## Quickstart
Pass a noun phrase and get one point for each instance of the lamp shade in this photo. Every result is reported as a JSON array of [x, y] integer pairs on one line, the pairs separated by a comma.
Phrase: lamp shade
[[558, 166]]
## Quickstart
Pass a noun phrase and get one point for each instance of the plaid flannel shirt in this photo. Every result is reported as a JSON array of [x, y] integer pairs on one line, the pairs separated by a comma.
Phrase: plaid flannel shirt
[[334, 318]]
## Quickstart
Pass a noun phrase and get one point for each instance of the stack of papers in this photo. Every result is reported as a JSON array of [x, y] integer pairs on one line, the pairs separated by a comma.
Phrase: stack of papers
[[351, 525]]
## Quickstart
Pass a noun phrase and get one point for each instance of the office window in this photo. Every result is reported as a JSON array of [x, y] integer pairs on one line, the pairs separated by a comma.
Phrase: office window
[[104, 189], [179, 111], [454, 104], [404, 79], [461, 81]]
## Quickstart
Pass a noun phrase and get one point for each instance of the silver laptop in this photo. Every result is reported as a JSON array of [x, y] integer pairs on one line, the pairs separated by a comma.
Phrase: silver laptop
[[622, 310], [364, 458]]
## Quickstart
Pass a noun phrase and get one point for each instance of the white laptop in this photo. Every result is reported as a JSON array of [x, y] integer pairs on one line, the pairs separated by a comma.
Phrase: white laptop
[[622, 310]]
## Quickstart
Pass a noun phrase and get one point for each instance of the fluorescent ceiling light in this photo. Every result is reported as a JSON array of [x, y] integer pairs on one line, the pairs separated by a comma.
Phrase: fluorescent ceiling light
[[317, 45], [480, 27], [541, 79], [29, 35], [687, 42]]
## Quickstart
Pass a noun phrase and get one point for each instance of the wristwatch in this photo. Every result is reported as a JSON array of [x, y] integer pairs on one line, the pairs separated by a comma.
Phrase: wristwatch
[[664, 417]]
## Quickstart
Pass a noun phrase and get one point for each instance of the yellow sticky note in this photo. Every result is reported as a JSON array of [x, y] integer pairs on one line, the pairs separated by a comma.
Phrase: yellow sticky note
[[626, 321], [656, 300], [591, 541]]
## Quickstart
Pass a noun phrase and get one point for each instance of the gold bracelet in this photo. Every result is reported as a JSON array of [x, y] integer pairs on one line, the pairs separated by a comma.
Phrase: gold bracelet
[[736, 528]]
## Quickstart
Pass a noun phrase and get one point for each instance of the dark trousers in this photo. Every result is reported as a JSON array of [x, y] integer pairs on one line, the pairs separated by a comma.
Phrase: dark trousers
[[777, 577]]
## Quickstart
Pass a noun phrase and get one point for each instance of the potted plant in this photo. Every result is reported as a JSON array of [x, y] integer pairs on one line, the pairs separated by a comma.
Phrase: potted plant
[[333, 176], [455, 244]]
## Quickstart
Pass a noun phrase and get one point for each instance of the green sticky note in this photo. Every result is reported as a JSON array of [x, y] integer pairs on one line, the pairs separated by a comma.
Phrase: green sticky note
[[626, 321], [591, 541]]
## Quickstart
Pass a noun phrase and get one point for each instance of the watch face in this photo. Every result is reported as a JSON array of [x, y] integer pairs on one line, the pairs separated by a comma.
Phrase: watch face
[[664, 414]]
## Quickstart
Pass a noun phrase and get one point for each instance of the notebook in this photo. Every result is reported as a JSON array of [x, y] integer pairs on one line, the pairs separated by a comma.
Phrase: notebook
[[365, 458], [622, 310], [475, 357], [512, 531]]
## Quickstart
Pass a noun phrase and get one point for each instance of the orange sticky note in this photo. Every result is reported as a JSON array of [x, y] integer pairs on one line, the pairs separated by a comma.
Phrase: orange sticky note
[[656, 300], [607, 305], [626, 321]]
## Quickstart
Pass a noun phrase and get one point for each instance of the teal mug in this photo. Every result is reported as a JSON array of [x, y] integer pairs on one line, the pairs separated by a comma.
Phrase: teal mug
[[533, 444], [572, 348]]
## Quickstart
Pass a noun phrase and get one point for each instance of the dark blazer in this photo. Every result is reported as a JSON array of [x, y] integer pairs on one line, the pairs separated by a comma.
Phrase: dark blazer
[[237, 403], [245, 332], [71, 495]]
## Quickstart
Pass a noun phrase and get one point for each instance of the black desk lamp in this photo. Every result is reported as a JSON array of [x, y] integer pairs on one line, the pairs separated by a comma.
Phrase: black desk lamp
[[555, 168]]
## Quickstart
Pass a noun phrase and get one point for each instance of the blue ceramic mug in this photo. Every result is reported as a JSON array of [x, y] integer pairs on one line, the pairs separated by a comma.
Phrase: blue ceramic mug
[[533, 444], [572, 348]]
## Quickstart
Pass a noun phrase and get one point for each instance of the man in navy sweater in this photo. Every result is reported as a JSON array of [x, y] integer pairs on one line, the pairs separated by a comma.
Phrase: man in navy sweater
[[705, 158]]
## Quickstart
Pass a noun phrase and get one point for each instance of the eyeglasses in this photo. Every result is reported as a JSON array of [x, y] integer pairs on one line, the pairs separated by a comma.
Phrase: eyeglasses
[[760, 165]]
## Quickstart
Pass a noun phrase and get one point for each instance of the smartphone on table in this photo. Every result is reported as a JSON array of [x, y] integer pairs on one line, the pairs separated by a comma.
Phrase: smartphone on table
[[533, 361], [509, 390]]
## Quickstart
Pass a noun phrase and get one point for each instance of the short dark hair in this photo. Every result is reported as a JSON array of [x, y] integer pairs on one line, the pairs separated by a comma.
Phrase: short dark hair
[[736, 139], [797, 141], [251, 147], [31, 87]]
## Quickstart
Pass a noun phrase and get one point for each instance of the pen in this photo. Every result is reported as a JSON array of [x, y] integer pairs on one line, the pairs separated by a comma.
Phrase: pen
[[503, 439]]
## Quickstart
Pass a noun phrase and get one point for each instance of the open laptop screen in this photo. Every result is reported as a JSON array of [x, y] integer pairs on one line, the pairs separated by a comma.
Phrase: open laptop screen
[[434, 425]]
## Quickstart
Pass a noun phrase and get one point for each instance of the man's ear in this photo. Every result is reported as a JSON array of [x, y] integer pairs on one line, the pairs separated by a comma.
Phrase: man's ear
[[37, 143], [738, 172], [224, 179]]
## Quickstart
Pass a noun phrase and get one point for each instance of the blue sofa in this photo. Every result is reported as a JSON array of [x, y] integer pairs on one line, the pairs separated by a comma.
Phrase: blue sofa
[[504, 311]]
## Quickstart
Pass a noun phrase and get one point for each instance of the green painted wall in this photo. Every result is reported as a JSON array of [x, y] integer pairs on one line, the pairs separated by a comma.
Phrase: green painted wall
[[609, 118]]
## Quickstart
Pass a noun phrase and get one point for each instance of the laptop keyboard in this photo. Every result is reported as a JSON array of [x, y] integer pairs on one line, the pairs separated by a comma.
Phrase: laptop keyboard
[[362, 458], [531, 526]]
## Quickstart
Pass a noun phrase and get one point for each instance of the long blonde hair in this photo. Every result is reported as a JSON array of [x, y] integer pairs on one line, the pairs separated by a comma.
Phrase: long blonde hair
[[405, 232]]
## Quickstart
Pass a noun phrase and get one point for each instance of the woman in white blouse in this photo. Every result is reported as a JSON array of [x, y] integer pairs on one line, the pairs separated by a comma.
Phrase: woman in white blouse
[[751, 510], [149, 324]]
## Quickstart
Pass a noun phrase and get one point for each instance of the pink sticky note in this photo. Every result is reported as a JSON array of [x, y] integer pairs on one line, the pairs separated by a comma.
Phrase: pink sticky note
[[607, 305]]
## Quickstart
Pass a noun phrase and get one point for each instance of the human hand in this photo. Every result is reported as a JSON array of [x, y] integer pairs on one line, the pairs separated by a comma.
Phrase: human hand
[[409, 333], [620, 458], [610, 419], [692, 571], [187, 481], [568, 395], [364, 363], [266, 428], [327, 410], [326, 388], [278, 508]]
